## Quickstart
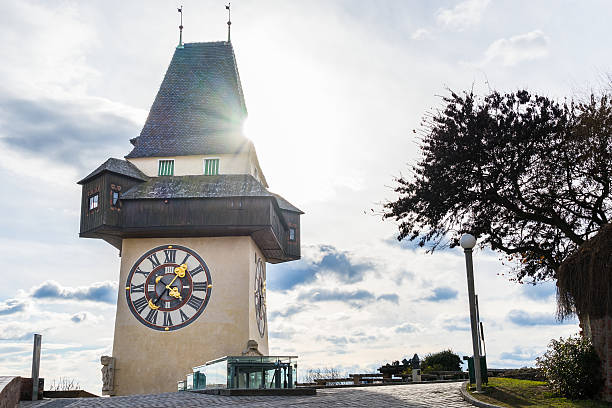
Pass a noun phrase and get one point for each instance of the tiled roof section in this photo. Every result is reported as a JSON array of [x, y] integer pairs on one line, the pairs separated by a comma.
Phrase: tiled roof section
[[222, 185], [118, 166], [286, 205], [199, 108]]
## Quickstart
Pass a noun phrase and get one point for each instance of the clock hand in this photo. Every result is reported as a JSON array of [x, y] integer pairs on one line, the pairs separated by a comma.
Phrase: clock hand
[[153, 305], [174, 292], [179, 273]]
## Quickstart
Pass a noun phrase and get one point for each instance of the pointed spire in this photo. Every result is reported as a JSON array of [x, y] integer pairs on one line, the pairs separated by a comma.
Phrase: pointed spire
[[180, 45], [229, 21]]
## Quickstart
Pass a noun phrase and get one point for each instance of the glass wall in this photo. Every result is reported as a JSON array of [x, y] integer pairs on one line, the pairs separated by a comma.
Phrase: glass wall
[[245, 372]]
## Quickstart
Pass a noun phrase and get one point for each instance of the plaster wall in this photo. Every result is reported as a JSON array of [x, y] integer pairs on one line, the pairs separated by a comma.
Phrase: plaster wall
[[150, 361], [241, 163]]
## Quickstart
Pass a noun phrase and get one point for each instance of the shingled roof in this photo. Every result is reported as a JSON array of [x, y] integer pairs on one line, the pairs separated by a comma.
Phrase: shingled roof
[[118, 166], [199, 108], [219, 186]]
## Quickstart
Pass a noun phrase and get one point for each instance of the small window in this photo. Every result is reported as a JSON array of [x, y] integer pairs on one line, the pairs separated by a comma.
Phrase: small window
[[114, 196], [93, 202], [211, 167], [291, 234], [166, 168]]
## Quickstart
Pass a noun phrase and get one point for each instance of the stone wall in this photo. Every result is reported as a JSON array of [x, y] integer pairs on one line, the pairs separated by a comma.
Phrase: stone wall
[[601, 335], [10, 388]]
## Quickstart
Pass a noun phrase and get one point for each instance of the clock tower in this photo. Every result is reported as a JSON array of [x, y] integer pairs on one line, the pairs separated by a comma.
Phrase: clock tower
[[194, 222]]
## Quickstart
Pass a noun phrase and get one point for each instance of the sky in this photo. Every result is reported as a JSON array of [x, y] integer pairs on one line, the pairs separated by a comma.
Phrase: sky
[[334, 91]]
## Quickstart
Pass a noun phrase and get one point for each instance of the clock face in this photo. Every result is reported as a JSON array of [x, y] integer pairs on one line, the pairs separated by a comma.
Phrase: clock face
[[260, 296], [168, 287]]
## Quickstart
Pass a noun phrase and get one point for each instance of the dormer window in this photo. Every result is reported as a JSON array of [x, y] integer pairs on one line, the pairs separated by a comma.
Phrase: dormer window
[[211, 167], [93, 201], [166, 168]]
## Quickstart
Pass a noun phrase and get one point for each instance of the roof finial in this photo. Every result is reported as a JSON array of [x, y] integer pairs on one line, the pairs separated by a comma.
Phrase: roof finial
[[229, 21], [180, 10]]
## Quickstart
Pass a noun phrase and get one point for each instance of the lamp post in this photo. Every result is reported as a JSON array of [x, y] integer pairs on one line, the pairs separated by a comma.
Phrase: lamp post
[[468, 242]]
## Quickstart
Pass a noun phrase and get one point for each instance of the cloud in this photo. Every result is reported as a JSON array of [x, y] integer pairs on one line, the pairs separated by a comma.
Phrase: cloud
[[519, 354], [456, 323], [390, 297], [81, 317], [337, 340], [324, 295], [105, 292], [523, 318], [343, 340], [539, 292], [331, 261], [463, 15], [523, 47], [16, 331], [441, 294], [420, 34], [278, 334], [406, 328], [67, 132], [12, 306], [356, 298], [406, 243], [403, 275], [287, 311]]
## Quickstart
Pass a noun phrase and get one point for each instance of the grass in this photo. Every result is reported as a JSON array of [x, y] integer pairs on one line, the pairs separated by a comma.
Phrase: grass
[[508, 392]]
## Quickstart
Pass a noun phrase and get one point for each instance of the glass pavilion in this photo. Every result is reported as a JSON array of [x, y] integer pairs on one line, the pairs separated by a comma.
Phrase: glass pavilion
[[246, 372]]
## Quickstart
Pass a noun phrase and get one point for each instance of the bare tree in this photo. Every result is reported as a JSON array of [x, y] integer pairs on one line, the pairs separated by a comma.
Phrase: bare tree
[[65, 384], [313, 374]]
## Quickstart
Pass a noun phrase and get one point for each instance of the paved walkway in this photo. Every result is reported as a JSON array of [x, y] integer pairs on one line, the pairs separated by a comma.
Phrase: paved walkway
[[415, 395]]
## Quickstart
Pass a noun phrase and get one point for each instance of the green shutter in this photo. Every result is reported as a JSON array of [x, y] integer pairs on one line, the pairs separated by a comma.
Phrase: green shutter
[[166, 168], [211, 167]]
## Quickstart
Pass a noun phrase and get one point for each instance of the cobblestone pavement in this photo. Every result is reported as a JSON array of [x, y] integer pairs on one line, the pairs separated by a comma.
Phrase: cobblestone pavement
[[415, 395]]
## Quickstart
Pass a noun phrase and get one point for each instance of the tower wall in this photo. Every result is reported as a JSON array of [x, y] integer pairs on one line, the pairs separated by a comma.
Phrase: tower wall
[[150, 361]]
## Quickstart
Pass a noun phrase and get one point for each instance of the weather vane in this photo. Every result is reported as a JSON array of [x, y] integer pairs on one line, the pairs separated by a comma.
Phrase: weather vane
[[229, 21], [180, 45]]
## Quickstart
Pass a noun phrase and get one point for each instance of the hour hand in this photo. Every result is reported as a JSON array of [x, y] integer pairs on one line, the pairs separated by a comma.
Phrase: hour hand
[[152, 305]]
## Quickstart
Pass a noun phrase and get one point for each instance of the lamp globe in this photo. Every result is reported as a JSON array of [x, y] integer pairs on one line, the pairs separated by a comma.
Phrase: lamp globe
[[467, 241]]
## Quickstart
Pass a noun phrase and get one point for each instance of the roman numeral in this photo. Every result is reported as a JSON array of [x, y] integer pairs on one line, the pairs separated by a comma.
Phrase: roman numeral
[[184, 261], [168, 304], [152, 316], [169, 269], [137, 288], [170, 255], [154, 261], [141, 272], [140, 304], [167, 319], [151, 288], [184, 317], [200, 286], [196, 270], [195, 302]]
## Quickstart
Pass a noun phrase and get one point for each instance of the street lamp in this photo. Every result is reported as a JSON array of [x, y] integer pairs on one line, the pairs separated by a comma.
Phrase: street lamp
[[468, 242]]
